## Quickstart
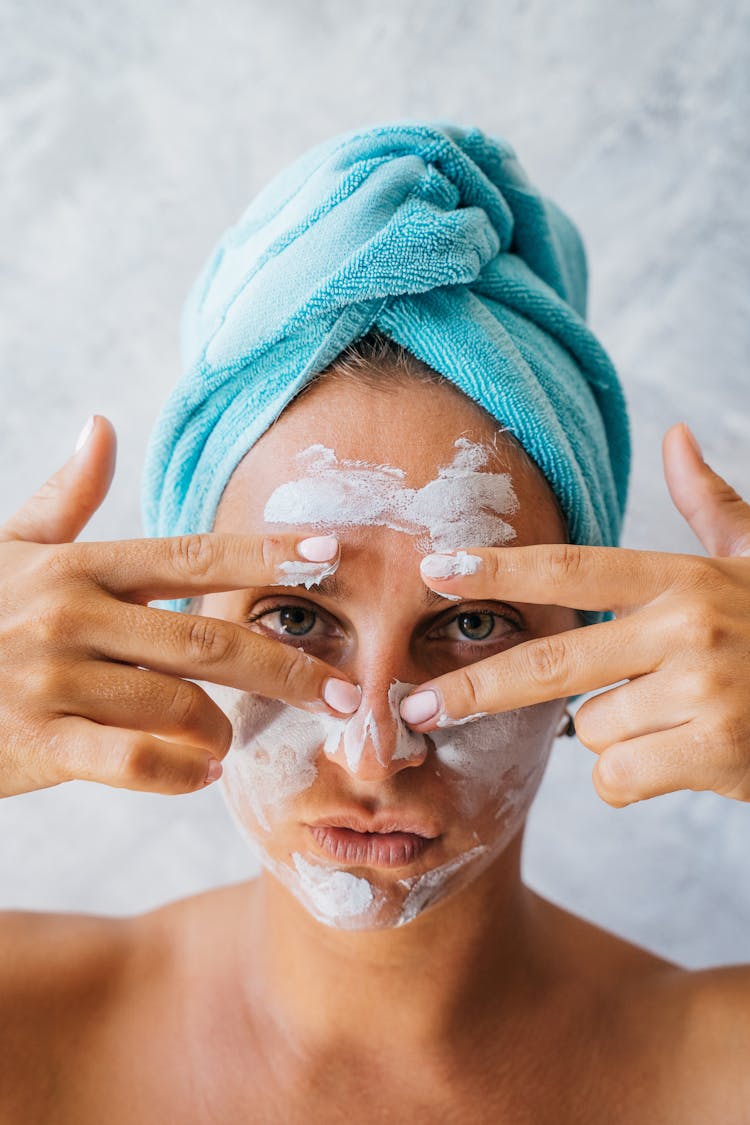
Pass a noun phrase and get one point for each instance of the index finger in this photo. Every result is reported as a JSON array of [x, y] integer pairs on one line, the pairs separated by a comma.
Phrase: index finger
[[203, 563], [572, 662], [565, 574]]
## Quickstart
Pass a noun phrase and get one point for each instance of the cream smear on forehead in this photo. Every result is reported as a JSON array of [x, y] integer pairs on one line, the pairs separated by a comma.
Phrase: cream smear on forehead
[[461, 506], [490, 767]]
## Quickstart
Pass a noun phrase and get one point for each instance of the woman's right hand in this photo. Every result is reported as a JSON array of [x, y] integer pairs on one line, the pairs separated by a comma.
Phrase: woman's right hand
[[91, 673]]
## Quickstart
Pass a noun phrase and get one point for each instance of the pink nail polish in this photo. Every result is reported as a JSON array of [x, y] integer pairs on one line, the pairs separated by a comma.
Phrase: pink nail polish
[[419, 707], [342, 696], [214, 772], [319, 548], [85, 434]]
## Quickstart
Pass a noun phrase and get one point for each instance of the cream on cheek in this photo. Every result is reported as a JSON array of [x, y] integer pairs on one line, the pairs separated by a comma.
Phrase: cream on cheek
[[489, 768], [488, 772]]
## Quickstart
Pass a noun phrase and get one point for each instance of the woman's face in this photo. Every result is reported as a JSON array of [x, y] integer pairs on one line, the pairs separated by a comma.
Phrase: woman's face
[[394, 475]]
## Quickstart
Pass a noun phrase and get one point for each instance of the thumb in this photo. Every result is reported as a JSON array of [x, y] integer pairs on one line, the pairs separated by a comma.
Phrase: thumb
[[61, 508], [717, 514]]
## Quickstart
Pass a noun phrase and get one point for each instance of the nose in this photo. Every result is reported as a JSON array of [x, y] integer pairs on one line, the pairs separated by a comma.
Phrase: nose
[[375, 743]]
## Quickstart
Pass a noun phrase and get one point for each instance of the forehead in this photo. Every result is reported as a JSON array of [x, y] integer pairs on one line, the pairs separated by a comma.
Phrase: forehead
[[412, 426]]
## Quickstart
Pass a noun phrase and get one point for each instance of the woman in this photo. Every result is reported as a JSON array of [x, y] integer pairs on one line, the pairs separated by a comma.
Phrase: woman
[[406, 580]]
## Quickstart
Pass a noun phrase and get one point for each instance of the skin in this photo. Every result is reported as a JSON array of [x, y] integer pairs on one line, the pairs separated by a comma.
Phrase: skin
[[493, 1005]]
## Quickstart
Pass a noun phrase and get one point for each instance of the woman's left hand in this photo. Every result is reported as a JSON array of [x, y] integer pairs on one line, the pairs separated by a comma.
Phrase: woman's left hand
[[681, 639]]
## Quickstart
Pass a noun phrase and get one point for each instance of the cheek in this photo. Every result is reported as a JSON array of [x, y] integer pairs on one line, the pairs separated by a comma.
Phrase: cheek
[[272, 757], [493, 765]]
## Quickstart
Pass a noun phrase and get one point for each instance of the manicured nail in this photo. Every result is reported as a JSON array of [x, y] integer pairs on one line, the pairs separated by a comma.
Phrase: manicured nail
[[342, 696], [693, 440], [450, 566], [419, 707], [319, 548], [214, 772], [85, 434]]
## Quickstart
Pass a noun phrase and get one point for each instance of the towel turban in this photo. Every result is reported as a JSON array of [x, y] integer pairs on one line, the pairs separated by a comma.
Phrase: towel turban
[[432, 234]]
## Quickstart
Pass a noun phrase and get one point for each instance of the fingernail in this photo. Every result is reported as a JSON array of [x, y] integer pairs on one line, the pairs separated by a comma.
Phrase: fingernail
[[214, 772], [319, 548], [342, 696], [693, 440], [85, 434], [419, 707], [450, 566]]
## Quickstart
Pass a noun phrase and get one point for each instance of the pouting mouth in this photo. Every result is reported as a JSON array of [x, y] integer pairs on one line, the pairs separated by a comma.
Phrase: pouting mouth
[[381, 824]]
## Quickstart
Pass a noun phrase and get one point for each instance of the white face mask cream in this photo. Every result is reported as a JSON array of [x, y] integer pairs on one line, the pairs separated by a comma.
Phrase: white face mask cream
[[488, 771], [460, 506], [481, 776]]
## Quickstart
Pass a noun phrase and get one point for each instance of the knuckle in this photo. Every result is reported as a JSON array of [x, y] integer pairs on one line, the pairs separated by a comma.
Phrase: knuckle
[[471, 688], [561, 563], [544, 661], [729, 736], [207, 640], [143, 763], [288, 670], [698, 625], [195, 554], [269, 549], [703, 683], [186, 704], [51, 622], [62, 561], [44, 681]]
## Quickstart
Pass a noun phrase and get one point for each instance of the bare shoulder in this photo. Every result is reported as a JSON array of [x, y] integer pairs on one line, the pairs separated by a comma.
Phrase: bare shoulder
[[718, 1005], [58, 973], [681, 1037]]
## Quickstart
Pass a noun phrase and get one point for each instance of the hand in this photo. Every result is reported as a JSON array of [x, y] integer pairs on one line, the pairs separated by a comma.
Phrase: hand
[[90, 672], [681, 638]]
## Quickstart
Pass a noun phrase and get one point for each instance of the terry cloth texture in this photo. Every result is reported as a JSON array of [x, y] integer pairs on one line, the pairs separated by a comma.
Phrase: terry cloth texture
[[432, 233]]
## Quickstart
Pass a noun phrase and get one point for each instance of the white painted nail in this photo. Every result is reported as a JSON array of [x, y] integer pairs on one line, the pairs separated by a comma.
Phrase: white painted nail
[[85, 434], [342, 696], [319, 548], [419, 707]]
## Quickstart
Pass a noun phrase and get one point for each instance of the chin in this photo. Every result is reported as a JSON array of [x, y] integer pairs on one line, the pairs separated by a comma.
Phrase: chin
[[390, 886]]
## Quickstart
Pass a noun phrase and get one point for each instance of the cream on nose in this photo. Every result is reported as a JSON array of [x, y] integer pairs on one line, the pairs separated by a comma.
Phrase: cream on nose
[[375, 742]]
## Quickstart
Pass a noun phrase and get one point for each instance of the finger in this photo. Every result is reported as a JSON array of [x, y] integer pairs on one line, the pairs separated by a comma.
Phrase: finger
[[683, 757], [717, 514], [565, 574], [127, 759], [644, 705], [62, 506], [145, 570], [120, 695], [222, 652], [569, 663]]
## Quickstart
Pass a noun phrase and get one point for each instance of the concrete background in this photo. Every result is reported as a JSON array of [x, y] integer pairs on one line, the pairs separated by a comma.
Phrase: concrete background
[[133, 133]]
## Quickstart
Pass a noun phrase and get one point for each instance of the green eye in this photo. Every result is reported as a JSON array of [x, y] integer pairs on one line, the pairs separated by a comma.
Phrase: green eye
[[476, 626], [296, 620]]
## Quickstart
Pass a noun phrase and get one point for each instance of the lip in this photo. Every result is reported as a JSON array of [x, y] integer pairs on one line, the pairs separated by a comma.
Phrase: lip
[[384, 822], [370, 849], [389, 839]]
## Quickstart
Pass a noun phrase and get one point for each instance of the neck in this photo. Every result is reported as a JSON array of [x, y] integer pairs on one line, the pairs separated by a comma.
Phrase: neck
[[440, 977]]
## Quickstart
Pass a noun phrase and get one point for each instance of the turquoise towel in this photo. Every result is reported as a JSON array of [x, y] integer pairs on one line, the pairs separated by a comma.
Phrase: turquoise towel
[[433, 234]]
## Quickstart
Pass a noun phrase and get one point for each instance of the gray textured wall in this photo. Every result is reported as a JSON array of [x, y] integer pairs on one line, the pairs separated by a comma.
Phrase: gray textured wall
[[133, 133]]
